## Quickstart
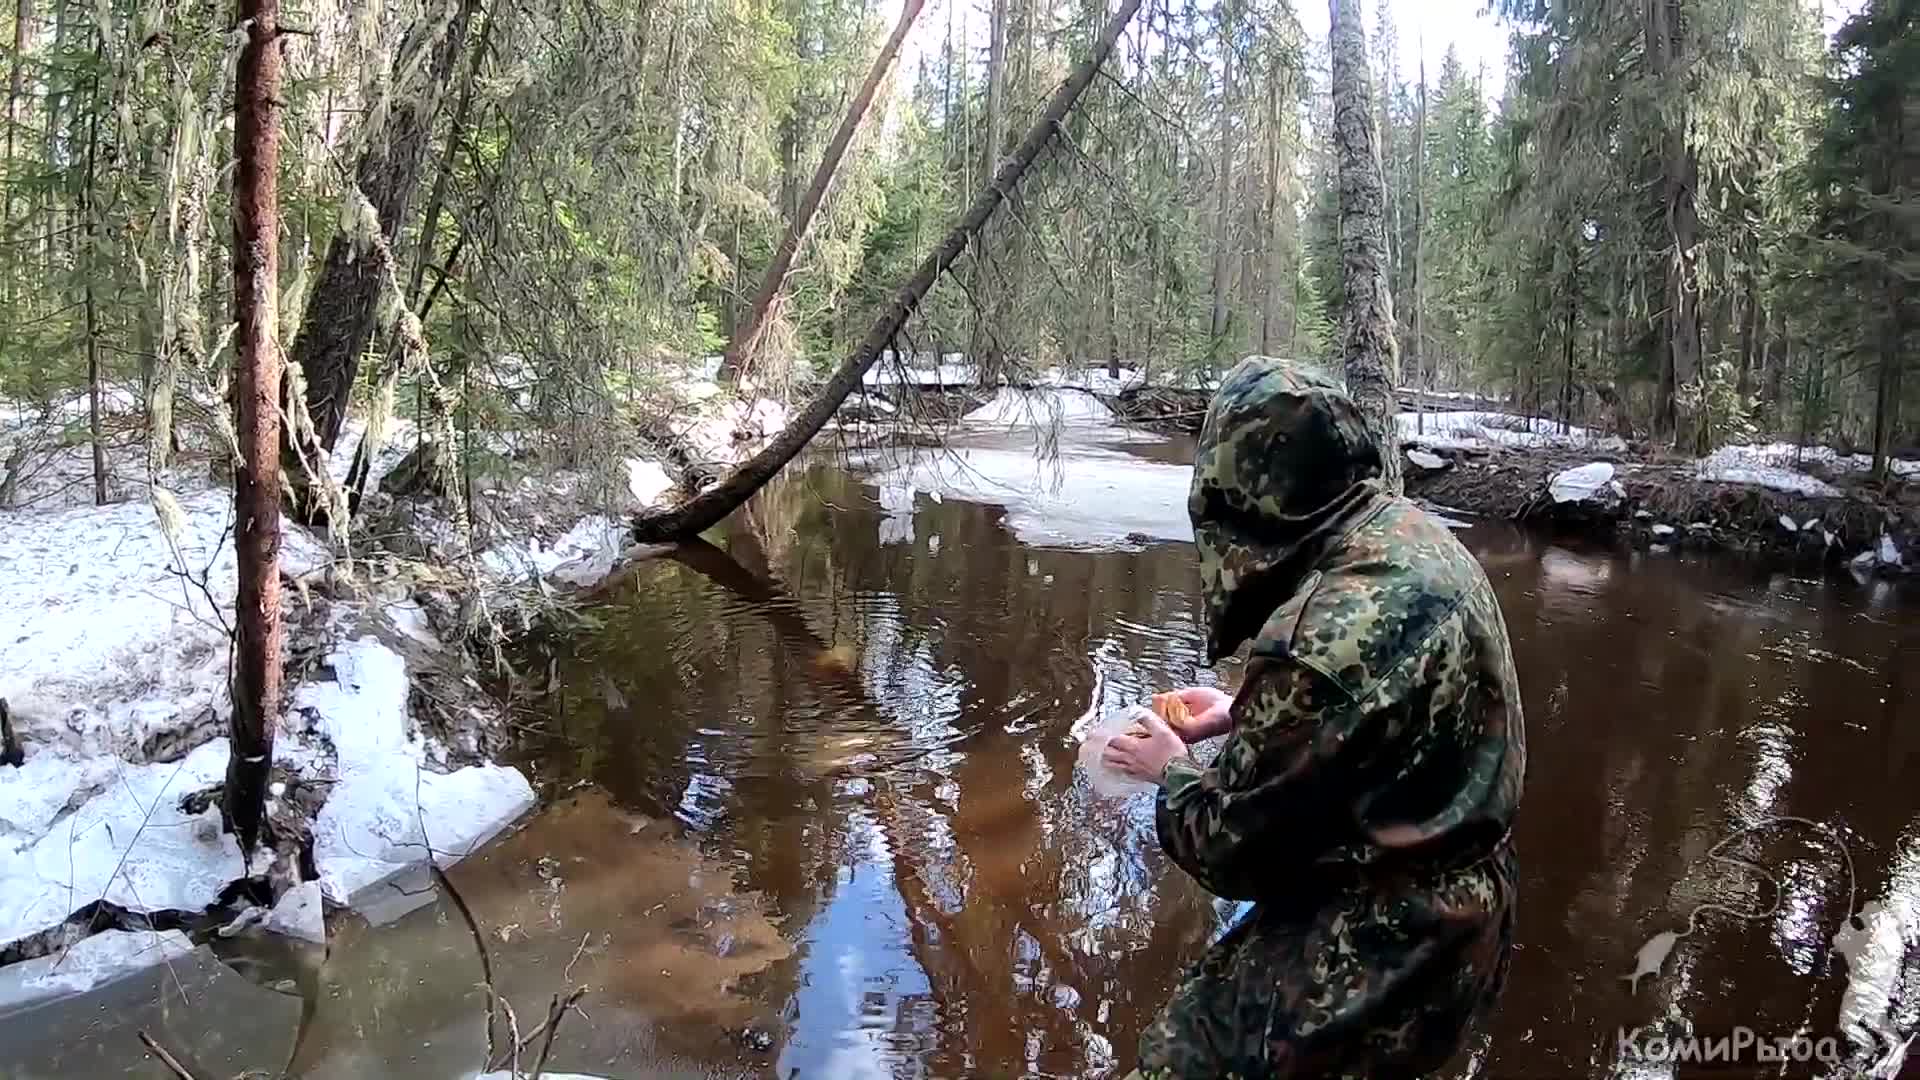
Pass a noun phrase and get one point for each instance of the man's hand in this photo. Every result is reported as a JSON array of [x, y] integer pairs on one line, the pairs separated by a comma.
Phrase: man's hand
[[1144, 752], [1207, 713]]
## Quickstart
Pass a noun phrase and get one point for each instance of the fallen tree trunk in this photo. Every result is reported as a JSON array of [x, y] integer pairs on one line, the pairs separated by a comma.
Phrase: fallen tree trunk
[[710, 507]]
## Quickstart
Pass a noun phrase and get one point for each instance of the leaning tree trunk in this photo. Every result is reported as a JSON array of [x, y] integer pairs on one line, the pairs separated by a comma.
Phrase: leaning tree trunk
[[342, 304], [710, 507], [745, 338], [1366, 314], [256, 488]]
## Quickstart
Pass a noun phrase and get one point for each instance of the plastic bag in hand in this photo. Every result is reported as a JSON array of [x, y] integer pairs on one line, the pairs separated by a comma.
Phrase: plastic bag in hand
[[1109, 783]]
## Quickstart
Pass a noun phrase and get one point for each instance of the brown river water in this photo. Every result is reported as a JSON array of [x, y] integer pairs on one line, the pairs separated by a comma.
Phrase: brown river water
[[812, 811]]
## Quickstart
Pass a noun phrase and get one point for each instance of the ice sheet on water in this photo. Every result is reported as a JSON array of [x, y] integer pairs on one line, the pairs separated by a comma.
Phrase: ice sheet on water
[[387, 805], [129, 842], [88, 965], [1086, 498]]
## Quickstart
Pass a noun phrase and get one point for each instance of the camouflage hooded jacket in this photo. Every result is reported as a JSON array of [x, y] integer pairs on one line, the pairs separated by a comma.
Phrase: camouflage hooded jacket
[[1364, 794]]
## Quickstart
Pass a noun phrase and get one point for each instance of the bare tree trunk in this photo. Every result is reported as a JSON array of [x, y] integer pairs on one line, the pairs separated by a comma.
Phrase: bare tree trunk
[[1217, 324], [980, 290], [1680, 222], [256, 489], [22, 34], [436, 202], [1749, 332], [50, 143], [1774, 358], [1366, 315], [88, 267], [1113, 316], [1886, 397], [1566, 378], [740, 349], [1414, 342], [712, 506], [339, 317], [1390, 197]]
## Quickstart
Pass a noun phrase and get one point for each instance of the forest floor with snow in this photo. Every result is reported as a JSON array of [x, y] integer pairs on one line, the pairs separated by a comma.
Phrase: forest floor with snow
[[114, 670]]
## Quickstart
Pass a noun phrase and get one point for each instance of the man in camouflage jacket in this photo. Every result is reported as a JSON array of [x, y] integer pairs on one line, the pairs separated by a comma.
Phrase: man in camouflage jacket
[[1372, 762]]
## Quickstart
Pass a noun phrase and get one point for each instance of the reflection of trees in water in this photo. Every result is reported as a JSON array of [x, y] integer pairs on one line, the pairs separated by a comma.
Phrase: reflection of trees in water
[[1667, 702], [945, 644]]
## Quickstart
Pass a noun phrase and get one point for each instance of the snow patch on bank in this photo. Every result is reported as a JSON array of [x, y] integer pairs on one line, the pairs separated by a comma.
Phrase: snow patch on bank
[[387, 805], [108, 647], [398, 441], [734, 430], [647, 482], [1742, 465], [1482, 430], [1087, 498], [1793, 456], [129, 842], [581, 555], [116, 675]]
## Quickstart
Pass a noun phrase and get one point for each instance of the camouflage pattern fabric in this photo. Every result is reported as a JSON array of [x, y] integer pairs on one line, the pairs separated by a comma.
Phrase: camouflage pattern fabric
[[1364, 796]]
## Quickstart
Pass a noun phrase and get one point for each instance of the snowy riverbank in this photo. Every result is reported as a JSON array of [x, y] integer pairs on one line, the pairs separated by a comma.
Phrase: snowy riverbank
[[115, 667], [1778, 498], [115, 674]]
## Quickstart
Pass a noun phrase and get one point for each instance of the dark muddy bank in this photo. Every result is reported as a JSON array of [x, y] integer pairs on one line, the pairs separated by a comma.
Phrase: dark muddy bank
[[1663, 503], [1660, 502]]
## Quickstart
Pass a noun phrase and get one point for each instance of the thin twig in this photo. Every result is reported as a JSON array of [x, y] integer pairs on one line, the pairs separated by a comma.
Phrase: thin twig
[[460, 902], [172, 1063], [567, 976], [555, 1013]]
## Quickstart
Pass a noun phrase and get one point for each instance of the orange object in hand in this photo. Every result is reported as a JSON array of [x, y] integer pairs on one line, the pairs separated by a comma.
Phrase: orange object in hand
[[1173, 710]]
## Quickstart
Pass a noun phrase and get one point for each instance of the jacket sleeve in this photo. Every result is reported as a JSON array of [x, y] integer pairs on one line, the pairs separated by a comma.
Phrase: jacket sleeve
[[1282, 791]]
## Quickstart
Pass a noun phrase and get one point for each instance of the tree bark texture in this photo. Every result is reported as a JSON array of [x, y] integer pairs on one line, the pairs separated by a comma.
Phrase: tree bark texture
[[339, 317], [1223, 193], [712, 506], [91, 232], [1366, 315], [740, 348], [256, 489], [1886, 397], [1679, 223], [22, 34], [1421, 377]]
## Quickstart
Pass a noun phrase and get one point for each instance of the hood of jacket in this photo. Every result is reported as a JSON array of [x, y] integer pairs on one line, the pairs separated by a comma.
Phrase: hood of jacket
[[1285, 468]]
